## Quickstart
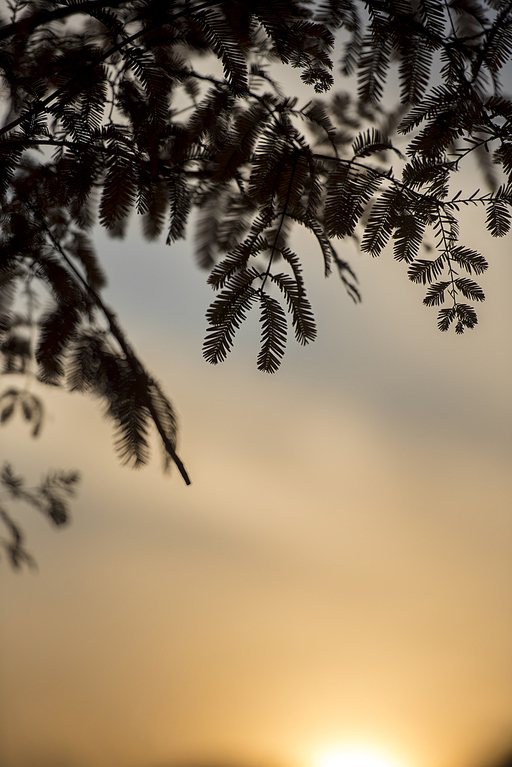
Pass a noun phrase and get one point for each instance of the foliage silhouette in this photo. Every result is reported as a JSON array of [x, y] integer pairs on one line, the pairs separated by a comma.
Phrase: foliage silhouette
[[112, 108], [49, 497]]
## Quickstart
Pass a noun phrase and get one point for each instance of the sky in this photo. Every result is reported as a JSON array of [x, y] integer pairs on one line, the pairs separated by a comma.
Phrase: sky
[[337, 576]]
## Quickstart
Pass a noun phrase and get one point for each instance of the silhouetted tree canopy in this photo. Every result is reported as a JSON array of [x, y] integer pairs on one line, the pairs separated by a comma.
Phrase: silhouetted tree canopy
[[113, 107]]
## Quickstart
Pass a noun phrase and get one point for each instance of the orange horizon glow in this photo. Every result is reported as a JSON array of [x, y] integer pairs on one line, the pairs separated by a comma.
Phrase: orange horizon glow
[[355, 755]]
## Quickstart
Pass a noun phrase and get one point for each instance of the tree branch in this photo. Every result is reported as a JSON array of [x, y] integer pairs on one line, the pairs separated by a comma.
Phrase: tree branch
[[132, 359]]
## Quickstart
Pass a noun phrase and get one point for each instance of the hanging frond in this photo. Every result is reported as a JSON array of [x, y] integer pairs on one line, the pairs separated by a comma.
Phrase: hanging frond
[[269, 161], [93, 366], [435, 294], [292, 258], [209, 118], [497, 54], [56, 334], [503, 156], [124, 396], [325, 244], [52, 494], [469, 259], [464, 314], [10, 156], [319, 78], [84, 362], [179, 200], [384, 217], [466, 317], [59, 281], [120, 185], [422, 172], [374, 60], [219, 37], [408, 236], [469, 289], [432, 14], [498, 217], [238, 217], [371, 141], [321, 121], [153, 220], [298, 306], [442, 99], [82, 249], [441, 132], [352, 50], [131, 418], [238, 149], [349, 190], [445, 318], [273, 333], [226, 314], [423, 271], [414, 69], [236, 261], [206, 232], [292, 181]]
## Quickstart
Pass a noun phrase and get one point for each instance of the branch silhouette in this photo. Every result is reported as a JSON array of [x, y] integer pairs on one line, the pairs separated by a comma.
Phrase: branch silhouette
[[123, 93]]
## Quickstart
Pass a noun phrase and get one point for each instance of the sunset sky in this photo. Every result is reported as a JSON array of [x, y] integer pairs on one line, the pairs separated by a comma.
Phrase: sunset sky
[[339, 574]]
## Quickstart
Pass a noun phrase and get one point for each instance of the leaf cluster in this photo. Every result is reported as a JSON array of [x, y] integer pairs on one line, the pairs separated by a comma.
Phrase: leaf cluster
[[50, 497], [112, 110], [29, 404]]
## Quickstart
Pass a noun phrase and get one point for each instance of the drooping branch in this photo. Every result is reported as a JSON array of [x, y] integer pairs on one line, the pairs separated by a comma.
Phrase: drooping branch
[[136, 365]]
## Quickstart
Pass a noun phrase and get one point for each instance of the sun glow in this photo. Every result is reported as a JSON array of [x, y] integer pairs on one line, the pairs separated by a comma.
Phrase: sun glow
[[354, 756]]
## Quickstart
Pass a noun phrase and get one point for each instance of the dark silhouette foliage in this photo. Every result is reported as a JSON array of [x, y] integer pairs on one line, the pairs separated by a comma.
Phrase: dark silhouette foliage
[[111, 109], [50, 498]]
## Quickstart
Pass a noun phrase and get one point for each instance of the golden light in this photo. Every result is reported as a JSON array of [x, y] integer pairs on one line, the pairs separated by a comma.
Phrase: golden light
[[354, 756]]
